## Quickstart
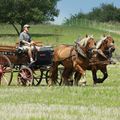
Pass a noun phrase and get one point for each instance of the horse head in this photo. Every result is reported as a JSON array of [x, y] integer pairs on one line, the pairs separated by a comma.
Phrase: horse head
[[87, 45], [106, 45]]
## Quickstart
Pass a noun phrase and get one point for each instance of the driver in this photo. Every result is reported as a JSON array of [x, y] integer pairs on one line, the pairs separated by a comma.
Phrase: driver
[[25, 41]]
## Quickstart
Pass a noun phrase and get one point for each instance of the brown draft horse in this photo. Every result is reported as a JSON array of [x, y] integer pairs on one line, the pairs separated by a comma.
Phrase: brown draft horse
[[73, 58], [105, 48]]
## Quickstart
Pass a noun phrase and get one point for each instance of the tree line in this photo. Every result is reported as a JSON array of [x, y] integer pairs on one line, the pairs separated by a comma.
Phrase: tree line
[[27, 11], [104, 13]]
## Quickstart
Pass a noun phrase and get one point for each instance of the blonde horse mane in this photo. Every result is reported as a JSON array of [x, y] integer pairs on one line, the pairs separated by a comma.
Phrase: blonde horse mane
[[100, 42], [83, 42]]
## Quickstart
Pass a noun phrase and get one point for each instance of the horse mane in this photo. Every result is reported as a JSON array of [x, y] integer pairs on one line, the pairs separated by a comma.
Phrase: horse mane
[[83, 42], [99, 43]]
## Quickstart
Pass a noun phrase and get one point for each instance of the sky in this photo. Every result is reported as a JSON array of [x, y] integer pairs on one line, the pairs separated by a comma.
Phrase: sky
[[71, 7]]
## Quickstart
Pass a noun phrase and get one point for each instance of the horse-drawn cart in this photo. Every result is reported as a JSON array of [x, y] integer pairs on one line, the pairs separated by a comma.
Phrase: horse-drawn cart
[[13, 59]]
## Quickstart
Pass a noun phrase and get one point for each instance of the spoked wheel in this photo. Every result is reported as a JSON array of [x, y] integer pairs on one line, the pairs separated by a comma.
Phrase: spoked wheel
[[6, 72], [59, 78], [37, 77], [25, 76]]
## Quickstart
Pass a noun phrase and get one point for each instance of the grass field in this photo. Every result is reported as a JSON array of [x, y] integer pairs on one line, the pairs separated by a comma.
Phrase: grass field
[[101, 102]]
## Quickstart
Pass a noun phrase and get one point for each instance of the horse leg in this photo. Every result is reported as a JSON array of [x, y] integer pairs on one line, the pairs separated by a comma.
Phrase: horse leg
[[94, 75], [99, 80], [65, 77], [105, 74], [70, 77], [53, 73], [83, 80], [77, 77], [80, 74]]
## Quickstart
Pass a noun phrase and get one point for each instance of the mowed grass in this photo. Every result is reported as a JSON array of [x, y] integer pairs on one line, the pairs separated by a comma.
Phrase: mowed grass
[[101, 102], [60, 102]]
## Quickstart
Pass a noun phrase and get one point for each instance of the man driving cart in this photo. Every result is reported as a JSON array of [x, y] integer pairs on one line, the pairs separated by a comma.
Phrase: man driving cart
[[26, 42]]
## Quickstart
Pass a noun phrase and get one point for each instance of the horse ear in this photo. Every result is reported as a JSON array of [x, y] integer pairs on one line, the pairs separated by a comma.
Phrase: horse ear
[[86, 35]]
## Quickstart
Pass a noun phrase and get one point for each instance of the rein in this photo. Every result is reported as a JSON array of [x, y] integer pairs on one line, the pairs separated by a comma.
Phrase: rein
[[70, 54]]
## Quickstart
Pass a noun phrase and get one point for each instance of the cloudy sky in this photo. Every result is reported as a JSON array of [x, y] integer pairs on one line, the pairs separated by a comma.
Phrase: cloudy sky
[[71, 7]]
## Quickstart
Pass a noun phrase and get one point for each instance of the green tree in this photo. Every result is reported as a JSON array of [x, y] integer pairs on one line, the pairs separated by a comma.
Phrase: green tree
[[104, 13], [26, 11], [94, 15]]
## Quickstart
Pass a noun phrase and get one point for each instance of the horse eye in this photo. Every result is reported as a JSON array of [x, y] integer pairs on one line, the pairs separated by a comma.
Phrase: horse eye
[[113, 41]]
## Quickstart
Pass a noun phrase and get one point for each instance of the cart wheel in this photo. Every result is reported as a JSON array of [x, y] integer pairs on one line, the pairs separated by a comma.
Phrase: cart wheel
[[47, 76], [25, 76], [37, 77], [59, 79], [6, 72]]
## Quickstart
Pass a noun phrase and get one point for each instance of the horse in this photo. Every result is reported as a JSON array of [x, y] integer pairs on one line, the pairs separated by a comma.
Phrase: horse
[[73, 58], [105, 47]]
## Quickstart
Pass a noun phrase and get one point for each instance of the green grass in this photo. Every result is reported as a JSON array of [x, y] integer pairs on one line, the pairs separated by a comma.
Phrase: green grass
[[62, 102], [101, 102]]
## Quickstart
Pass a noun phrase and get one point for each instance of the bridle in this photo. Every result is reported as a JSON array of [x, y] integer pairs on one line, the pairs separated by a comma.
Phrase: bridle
[[81, 52], [109, 49]]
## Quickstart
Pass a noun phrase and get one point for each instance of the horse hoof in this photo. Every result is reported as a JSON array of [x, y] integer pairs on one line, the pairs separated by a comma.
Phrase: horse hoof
[[83, 84]]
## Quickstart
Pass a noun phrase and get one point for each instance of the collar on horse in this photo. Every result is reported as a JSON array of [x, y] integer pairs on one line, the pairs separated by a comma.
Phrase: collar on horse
[[79, 50]]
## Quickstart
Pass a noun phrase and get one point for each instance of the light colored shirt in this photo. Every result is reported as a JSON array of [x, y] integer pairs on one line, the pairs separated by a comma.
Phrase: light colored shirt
[[24, 36]]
